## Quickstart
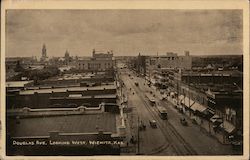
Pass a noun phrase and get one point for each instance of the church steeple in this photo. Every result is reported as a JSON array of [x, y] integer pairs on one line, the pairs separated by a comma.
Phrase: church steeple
[[66, 54], [44, 51]]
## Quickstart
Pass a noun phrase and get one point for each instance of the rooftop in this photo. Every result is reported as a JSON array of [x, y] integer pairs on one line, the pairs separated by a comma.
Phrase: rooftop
[[65, 89], [17, 83], [215, 73], [41, 126]]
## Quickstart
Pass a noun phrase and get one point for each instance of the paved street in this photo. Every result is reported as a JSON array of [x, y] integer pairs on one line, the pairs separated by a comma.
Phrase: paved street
[[153, 140], [147, 142]]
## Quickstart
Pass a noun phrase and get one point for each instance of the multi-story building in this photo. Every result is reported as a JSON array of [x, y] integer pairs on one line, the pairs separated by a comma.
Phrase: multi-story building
[[159, 67], [215, 96], [98, 62]]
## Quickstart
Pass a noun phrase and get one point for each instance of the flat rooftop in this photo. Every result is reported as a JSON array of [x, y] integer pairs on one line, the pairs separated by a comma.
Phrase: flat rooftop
[[65, 89], [214, 73], [41, 126], [17, 83]]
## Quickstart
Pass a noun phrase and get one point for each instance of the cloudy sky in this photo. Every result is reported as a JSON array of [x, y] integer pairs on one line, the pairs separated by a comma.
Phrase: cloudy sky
[[126, 32]]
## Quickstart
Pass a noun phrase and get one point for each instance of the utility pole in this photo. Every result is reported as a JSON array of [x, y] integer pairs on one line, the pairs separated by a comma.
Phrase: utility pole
[[138, 136], [177, 87], [189, 93]]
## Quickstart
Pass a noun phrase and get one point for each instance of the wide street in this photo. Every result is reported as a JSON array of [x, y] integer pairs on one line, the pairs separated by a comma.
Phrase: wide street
[[170, 137]]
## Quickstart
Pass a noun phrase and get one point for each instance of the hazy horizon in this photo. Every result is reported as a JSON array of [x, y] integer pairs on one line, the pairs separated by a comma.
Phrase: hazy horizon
[[126, 32]]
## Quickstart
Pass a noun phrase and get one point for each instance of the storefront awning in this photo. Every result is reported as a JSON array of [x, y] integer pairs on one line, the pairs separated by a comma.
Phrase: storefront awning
[[228, 127], [216, 118], [198, 107], [181, 97], [187, 102]]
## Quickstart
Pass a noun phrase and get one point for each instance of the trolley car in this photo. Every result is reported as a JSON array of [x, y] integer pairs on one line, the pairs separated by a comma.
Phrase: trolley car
[[162, 112], [151, 99]]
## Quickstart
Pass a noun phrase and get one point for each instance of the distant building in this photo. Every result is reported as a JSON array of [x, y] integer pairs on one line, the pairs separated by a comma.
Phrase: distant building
[[44, 54], [157, 66], [98, 62], [218, 62], [12, 62], [67, 58]]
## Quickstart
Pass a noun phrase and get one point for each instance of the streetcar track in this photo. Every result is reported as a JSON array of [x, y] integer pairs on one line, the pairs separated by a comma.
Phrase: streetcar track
[[182, 148]]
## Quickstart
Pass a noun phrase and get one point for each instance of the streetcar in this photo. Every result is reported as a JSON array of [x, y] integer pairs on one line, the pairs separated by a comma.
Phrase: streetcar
[[162, 112], [151, 99]]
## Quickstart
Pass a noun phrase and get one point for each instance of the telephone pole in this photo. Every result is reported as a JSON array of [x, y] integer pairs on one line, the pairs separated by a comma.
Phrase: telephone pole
[[138, 135]]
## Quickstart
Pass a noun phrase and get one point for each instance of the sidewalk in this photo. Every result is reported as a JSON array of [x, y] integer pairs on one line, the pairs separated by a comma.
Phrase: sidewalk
[[129, 148], [206, 126]]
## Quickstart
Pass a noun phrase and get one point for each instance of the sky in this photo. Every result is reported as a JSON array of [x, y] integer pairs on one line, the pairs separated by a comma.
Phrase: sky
[[126, 32]]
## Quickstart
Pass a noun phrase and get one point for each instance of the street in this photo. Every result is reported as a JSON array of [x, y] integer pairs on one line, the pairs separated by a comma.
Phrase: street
[[170, 137]]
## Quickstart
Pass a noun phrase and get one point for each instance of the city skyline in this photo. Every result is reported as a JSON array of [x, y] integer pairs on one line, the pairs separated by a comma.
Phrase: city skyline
[[126, 32]]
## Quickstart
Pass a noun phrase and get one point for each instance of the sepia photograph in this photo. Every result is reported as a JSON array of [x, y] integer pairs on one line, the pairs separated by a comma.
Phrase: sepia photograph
[[124, 82]]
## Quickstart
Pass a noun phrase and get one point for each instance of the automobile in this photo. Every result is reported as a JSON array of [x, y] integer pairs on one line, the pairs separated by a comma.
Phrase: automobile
[[152, 123]]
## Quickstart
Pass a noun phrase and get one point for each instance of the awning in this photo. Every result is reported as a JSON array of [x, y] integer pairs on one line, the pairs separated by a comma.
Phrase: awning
[[171, 93], [198, 107], [216, 118], [181, 97], [211, 111], [179, 106], [228, 127], [187, 102]]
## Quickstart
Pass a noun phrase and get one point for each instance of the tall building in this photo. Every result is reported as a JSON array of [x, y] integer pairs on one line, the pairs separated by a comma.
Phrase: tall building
[[67, 58], [157, 67], [44, 53]]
